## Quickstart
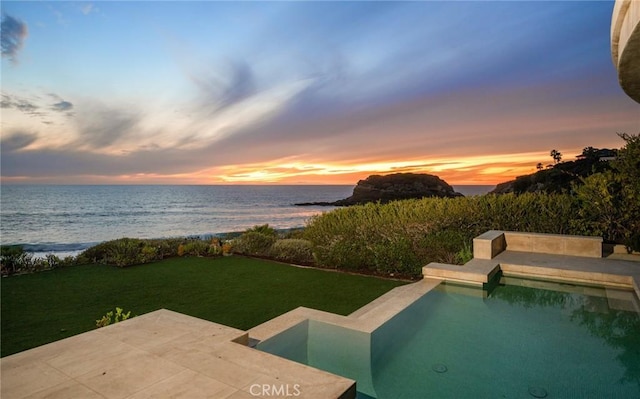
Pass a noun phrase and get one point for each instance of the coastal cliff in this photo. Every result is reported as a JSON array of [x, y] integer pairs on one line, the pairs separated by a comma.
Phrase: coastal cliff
[[398, 186], [560, 177]]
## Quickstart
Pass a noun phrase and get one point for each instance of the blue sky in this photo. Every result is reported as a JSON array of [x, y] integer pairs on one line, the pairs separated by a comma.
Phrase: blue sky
[[303, 92]]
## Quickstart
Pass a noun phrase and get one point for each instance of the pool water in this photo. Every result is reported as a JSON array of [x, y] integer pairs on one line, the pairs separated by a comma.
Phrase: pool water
[[519, 339]]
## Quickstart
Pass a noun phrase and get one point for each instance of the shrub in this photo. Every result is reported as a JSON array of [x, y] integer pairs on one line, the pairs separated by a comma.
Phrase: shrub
[[294, 233], [599, 211], [441, 246], [293, 250], [166, 247], [627, 168], [263, 229], [609, 202], [129, 251], [254, 243], [464, 255], [98, 253], [397, 255], [342, 253], [227, 248], [119, 316], [196, 248], [121, 252], [53, 261], [403, 236], [13, 259], [214, 250]]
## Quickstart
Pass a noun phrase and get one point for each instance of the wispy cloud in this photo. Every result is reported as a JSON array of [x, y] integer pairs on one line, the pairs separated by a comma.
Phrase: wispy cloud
[[36, 106], [14, 33], [87, 9], [224, 88], [240, 85], [59, 16], [6, 101], [62, 106], [100, 126], [24, 105], [17, 141], [239, 108]]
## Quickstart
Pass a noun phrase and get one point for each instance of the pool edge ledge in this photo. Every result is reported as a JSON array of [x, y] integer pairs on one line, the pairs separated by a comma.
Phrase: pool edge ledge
[[540, 256], [365, 319]]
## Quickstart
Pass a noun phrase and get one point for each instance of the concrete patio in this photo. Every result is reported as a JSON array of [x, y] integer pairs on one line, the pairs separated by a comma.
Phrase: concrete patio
[[159, 355]]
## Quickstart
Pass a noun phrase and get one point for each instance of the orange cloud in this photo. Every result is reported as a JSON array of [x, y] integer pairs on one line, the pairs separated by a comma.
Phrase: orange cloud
[[490, 169]]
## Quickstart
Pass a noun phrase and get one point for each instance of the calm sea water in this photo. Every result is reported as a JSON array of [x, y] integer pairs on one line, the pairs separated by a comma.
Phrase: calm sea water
[[67, 219]]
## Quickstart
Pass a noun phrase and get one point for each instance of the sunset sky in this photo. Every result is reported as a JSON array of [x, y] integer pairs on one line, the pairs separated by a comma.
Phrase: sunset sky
[[303, 92]]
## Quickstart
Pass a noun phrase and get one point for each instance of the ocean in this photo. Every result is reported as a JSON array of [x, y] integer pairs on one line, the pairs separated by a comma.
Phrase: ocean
[[67, 219]]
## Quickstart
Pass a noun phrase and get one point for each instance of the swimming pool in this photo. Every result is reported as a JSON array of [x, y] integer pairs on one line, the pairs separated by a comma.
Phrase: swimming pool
[[520, 338]]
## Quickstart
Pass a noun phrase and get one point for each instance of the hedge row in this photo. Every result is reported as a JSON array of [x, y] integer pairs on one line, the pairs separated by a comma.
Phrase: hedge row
[[401, 237], [264, 242]]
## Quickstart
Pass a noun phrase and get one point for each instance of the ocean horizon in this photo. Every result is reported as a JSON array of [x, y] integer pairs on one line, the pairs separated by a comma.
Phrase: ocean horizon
[[66, 219]]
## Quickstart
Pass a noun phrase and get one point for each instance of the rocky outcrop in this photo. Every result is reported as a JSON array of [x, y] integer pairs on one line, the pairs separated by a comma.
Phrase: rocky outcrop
[[519, 186], [504, 188], [399, 186]]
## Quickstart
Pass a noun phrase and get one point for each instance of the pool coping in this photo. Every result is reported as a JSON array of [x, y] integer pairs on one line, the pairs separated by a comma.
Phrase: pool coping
[[541, 256], [366, 319]]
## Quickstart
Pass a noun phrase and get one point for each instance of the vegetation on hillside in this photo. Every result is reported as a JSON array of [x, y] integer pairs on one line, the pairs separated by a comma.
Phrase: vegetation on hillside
[[401, 237], [14, 260], [609, 201], [122, 252], [560, 176]]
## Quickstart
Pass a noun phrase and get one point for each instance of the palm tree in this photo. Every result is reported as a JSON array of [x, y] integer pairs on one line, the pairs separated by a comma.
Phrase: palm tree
[[539, 166], [556, 155]]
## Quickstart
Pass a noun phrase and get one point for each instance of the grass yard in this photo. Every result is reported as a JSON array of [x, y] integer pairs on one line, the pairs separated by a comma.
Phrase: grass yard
[[235, 291]]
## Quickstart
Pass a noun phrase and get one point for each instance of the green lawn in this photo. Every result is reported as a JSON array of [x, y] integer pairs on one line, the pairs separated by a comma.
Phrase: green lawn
[[235, 291]]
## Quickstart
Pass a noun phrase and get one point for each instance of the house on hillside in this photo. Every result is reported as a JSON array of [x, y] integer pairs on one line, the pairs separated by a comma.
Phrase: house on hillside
[[602, 154]]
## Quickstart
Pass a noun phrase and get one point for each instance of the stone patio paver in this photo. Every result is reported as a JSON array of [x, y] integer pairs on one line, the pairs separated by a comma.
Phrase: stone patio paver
[[158, 355]]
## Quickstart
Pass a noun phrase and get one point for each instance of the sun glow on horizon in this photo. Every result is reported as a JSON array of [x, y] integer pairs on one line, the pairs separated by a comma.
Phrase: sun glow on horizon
[[463, 170], [485, 169]]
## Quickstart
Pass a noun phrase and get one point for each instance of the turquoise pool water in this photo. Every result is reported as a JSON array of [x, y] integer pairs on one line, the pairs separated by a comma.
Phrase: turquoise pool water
[[520, 339]]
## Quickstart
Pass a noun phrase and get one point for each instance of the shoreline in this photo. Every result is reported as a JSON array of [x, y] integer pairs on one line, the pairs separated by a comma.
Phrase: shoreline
[[42, 250], [80, 238]]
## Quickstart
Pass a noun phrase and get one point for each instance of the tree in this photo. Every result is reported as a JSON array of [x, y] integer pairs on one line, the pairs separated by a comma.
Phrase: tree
[[539, 166], [590, 153], [600, 207], [556, 155], [627, 169], [627, 163], [610, 201]]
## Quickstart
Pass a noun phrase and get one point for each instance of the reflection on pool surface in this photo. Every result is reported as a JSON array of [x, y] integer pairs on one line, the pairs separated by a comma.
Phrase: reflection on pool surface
[[522, 338]]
